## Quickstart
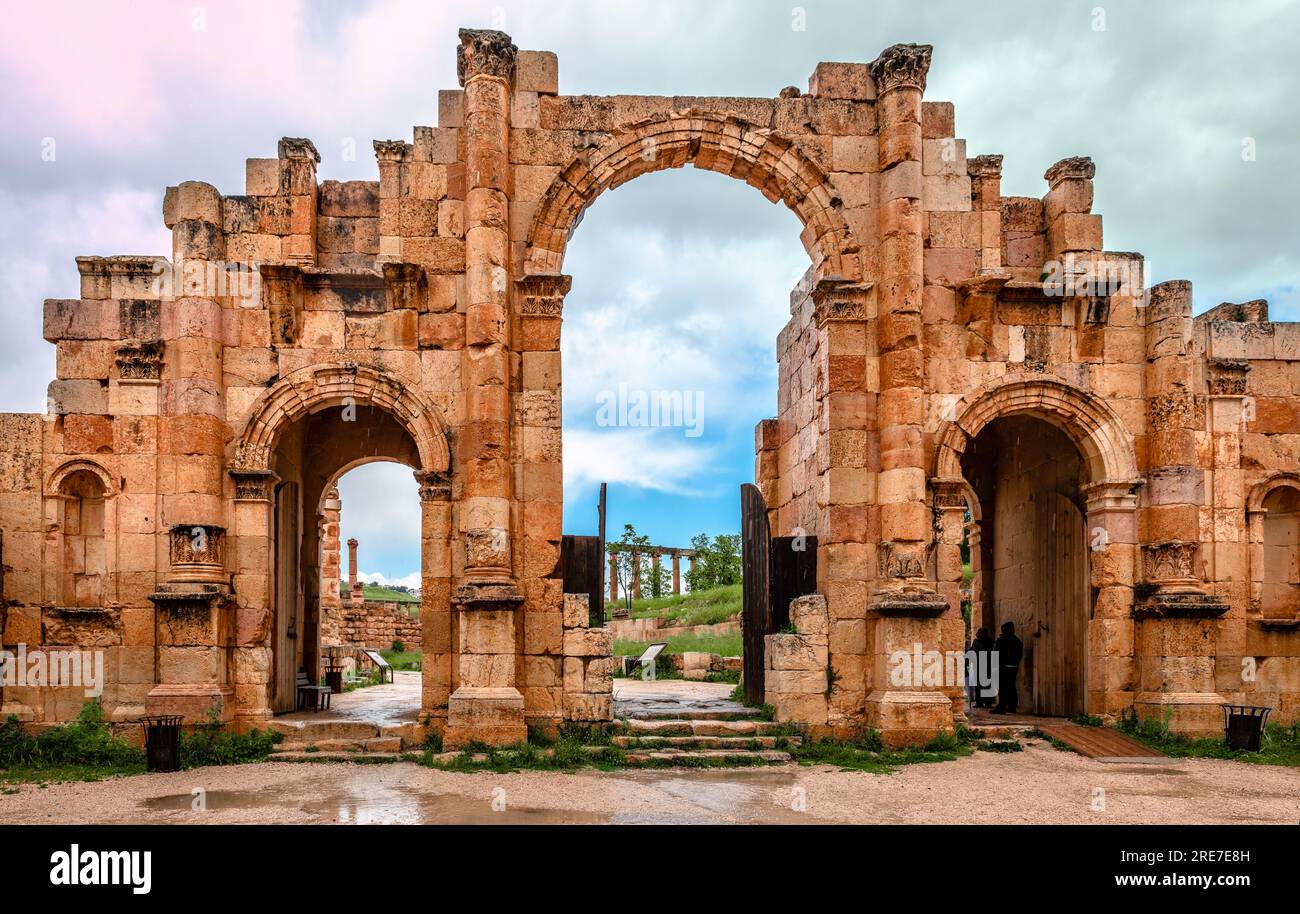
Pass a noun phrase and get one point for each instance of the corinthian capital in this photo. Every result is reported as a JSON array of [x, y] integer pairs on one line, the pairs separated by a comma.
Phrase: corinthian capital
[[901, 65], [485, 52]]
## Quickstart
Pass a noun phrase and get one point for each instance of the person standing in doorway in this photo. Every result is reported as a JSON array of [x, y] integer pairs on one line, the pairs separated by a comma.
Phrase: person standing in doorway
[[981, 656], [1009, 650]]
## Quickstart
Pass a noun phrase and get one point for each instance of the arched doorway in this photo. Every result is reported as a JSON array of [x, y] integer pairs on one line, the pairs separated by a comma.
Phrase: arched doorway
[[306, 432], [1052, 479], [1026, 474]]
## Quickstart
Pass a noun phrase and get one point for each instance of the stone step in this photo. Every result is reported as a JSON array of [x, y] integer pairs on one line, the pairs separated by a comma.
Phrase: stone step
[[733, 743], [316, 730], [335, 757], [637, 727], [373, 744], [739, 713], [701, 757]]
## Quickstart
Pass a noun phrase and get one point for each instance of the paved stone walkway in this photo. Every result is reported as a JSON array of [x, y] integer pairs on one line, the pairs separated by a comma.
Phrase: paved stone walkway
[[636, 697], [384, 705]]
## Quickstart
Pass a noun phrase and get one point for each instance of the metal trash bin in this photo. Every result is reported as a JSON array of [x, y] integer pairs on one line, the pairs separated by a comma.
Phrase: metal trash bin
[[162, 742], [1243, 725]]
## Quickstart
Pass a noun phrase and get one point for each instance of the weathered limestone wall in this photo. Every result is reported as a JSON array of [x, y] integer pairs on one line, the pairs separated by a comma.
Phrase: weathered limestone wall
[[377, 624]]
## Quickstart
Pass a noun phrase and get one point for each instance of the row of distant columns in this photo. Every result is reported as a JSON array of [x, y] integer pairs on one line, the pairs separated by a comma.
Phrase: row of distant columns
[[676, 555]]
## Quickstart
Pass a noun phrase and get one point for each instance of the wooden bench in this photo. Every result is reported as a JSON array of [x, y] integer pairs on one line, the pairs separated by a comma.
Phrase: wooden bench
[[385, 668], [318, 694]]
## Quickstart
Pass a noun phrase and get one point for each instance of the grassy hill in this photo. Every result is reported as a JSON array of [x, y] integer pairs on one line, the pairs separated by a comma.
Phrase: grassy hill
[[704, 607], [383, 594]]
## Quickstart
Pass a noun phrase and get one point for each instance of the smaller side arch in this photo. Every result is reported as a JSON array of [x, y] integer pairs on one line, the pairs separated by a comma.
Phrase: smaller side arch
[[54, 485], [1265, 487], [1095, 428], [318, 387]]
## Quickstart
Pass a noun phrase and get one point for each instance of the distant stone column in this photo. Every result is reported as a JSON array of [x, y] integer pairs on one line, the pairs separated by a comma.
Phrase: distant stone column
[[613, 578], [355, 592], [636, 575], [677, 572], [331, 603]]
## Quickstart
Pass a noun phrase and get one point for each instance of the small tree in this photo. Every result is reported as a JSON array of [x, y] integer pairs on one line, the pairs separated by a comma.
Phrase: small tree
[[717, 561], [625, 559]]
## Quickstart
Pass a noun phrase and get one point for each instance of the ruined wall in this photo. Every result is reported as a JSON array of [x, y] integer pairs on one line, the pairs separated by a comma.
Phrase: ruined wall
[[377, 624]]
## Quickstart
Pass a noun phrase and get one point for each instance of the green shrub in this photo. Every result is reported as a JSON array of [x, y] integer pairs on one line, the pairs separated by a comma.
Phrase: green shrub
[[212, 744], [86, 741]]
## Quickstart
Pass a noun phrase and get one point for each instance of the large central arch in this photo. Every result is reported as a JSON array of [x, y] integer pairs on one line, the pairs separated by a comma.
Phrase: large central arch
[[723, 143]]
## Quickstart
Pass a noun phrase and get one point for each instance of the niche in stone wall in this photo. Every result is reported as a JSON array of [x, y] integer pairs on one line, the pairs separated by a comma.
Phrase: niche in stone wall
[[85, 549], [1280, 596]]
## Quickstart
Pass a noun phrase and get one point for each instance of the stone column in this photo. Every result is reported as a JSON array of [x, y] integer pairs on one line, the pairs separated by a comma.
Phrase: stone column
[[950, 509], [436, 618], [1112, 534], [1177, 635], [486, 706], [613, 578], [485, 62], [254, 490], [331, 602], [677, 572], [636, 575], [356, 593], [904, 515], [986, 199]]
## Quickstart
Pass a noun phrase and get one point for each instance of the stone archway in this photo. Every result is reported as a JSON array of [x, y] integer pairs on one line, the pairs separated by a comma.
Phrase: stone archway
[[1109, 503], [399, 423], [723, 143]]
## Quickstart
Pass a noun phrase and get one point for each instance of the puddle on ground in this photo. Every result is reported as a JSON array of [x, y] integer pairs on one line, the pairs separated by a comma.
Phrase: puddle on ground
[[385, 807], [710, 796]]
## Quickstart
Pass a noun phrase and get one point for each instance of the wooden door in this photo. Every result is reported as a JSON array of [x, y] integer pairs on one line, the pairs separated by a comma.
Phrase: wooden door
[[582, 569], [284, 641], [1058, 645], [756, 602]]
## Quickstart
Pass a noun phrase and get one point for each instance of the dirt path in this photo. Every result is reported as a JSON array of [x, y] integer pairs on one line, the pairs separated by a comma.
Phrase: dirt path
[[1040, 784]]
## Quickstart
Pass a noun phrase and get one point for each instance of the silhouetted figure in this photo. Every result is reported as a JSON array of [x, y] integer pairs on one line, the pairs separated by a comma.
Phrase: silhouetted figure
[[981, 649], [1010, 650]]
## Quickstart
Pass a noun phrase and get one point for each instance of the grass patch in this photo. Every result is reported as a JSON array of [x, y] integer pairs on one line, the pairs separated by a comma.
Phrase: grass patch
[[725, 645], [1087, 720], [868, 753], [87, 749], [705, 607], [384, 595], [1280, 744], [403, 660]]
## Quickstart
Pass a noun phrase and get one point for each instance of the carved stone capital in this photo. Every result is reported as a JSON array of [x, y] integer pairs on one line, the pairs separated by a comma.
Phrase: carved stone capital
[[198, 553], [901, 66], [291, 147], [905, 561], [434, 486], [836, 299], [542, 294], [140, 361], [986, 166], [254, 485], [391, 150], [485, 52], [1171, 563], [405, 286], [1080, 167], [1227, 377], [949, 493]]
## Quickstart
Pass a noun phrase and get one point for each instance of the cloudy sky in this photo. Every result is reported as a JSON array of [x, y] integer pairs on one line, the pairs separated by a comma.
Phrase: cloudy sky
[[680, 280]]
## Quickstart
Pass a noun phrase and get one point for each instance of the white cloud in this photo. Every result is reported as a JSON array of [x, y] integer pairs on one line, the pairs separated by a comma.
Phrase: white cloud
[[411, 580], [660, 460]]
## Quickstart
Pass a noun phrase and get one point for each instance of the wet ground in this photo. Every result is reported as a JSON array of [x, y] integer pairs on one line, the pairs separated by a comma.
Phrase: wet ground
[[1040, 784], [389, 704], [672, 696]]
